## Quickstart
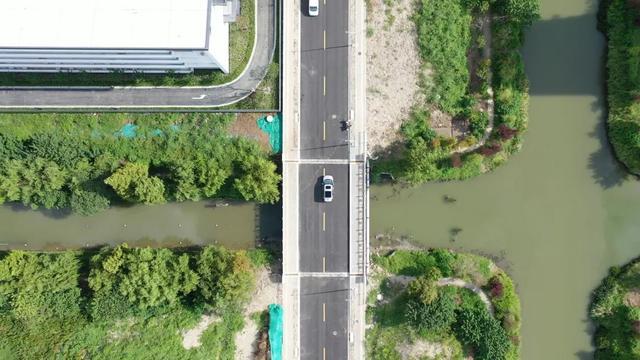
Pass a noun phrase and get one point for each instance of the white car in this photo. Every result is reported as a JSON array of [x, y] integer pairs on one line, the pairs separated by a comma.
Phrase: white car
[[327, 188], [314, 7]]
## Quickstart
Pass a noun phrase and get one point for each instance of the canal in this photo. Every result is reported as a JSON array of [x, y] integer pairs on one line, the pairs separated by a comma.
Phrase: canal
[[560, 212], [236, 226]]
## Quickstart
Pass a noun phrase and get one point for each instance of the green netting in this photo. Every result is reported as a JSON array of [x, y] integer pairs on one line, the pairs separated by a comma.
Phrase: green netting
[[275, 331], [274, 129]]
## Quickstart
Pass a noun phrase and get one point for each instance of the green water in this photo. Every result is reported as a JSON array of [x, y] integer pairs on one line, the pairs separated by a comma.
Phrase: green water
[[560, 212], [176, 224]]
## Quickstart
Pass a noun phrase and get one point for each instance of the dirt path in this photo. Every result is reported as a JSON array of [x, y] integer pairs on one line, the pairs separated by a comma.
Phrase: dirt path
[[484, 105], [393, 70], [191, 337], [268, 291]]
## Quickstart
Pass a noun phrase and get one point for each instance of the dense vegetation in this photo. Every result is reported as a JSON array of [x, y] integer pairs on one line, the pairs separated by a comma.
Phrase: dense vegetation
[[85, 162], [241, 39], [454, 317], [120, 303], [615, 310], [619, 21], [448, 38]]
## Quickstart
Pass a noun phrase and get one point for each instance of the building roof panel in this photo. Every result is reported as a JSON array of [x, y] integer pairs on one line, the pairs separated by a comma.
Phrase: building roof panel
[[104, 24]]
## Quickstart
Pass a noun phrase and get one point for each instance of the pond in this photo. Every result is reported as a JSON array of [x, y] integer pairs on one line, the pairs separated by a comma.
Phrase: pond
[[560, 212]]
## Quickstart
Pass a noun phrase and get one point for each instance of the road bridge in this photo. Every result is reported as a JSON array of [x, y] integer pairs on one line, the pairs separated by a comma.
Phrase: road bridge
[[324, 244]]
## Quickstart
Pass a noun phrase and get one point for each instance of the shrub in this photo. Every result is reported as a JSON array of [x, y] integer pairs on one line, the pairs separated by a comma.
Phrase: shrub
[[436, 316], [88, 203], [424, 289], [38, 287], [475, 327]]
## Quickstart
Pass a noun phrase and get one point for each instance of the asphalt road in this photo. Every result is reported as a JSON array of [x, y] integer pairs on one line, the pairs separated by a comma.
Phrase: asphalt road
[[324, 310], [133, 97], [324, 82], [324, 227]]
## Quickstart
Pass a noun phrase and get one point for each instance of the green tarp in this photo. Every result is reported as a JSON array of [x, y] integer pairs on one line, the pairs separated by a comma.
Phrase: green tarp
[[274, 129], [275, 331]]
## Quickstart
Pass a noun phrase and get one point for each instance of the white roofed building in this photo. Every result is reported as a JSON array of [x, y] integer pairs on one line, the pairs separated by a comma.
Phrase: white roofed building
[[152, 36]]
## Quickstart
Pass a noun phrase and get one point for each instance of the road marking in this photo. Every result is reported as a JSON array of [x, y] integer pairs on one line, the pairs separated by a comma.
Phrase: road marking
[[324, 221], [324, 264], [325, 274], [324, 85], [201, 97], [324, 353], [324, 35], [324, 312], [324, 131], [324, 171]]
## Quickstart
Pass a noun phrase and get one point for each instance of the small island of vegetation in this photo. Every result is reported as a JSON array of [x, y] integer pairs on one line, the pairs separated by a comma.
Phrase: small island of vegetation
[[615, 311], [618, 20], [439, 304]]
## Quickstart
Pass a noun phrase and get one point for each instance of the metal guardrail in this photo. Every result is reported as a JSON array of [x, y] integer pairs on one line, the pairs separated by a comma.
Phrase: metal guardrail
[[361, 220]]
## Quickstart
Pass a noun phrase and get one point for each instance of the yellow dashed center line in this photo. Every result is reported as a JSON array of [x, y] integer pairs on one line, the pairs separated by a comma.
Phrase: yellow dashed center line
[[324, 39], [324, 131], [324, 312], [324, 221], [324, 85]]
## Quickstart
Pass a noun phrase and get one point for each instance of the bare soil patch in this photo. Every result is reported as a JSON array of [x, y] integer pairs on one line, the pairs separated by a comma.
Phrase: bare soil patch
[[393, 70], [191, 337], [246, 125], [268, 291], [424, 349], [632, 298]]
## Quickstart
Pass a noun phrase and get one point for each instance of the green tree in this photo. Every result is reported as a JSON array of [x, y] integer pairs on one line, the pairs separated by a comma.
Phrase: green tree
[[146, 277], [226, 277], [35, 183], [259, 180], [88, 203], [133, 183]]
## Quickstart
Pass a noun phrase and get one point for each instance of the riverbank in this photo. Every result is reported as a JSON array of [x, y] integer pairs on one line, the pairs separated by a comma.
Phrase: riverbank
[[441, 304], [615, 311], [618, 21], [85, 162], [474, 91], [126, 303]]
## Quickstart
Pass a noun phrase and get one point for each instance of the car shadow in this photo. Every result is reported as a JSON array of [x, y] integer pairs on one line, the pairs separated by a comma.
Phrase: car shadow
[[317, 191]]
